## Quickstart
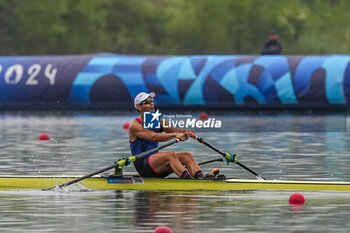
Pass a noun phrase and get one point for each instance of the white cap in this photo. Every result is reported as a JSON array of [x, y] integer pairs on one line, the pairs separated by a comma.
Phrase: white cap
[[142, 96]]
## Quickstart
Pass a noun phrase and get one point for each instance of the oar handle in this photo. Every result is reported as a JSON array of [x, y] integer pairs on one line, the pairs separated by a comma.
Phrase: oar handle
[[201, 140]]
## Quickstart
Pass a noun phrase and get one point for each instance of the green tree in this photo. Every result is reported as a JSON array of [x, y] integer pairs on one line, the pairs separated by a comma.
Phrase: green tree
[[171, 27]]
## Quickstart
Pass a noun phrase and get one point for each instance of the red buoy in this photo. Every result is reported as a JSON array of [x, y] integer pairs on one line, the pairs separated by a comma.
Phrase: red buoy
[[126, 125], [203, 116], [297, 199], [44, 137], [162, 229]]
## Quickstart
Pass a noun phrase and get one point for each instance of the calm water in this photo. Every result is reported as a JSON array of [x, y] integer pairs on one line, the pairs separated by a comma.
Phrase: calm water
[[279, 146]]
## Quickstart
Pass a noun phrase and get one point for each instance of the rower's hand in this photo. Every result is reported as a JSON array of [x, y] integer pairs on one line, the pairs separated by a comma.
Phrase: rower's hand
[[181, 136], [191, 133]]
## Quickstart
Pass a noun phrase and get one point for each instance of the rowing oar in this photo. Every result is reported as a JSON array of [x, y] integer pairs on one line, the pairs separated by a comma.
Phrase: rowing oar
[[230, 158], [121, 163]]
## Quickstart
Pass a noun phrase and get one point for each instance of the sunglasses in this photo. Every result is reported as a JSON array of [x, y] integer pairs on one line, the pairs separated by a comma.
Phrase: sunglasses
[[147, 101]]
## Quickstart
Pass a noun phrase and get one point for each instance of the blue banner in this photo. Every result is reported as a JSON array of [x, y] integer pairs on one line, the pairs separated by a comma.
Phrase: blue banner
[[225, 81]]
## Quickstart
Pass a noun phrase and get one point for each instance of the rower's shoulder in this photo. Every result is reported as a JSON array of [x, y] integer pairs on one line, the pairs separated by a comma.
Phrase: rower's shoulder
[[135, 125]]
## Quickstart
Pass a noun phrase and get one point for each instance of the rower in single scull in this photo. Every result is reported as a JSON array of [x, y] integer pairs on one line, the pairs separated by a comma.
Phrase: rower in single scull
[[159, 164]]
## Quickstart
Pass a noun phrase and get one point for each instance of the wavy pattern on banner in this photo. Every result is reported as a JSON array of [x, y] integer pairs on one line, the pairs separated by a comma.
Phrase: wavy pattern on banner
[[226, 81]]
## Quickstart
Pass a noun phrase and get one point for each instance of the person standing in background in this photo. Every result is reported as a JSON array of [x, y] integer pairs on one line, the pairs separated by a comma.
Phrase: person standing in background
[[273, 46]]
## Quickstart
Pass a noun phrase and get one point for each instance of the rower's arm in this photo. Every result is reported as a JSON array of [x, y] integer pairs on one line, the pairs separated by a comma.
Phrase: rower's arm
[[137, 131]]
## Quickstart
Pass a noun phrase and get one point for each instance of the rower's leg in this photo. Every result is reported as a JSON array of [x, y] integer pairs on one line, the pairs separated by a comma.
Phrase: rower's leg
[[187, 159], [163, 162]]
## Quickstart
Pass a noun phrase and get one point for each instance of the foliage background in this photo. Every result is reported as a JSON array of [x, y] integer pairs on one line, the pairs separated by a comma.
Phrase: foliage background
[[172, 27]]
